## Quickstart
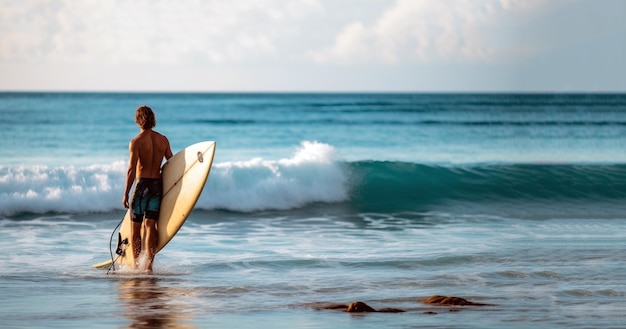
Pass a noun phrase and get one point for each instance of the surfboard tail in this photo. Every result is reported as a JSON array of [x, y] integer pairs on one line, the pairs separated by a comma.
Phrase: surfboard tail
[[103, 264]]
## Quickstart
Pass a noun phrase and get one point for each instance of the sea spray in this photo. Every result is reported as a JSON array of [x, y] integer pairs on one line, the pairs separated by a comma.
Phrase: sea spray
[[41, 189], [314, 174], [311, 175]]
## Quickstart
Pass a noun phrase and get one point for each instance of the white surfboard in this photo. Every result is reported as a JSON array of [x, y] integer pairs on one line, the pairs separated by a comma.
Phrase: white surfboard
[[184, 176]]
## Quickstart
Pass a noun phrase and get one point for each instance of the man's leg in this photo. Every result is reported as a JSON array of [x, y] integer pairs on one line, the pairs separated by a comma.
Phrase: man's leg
[[151, 239], [135, 237]]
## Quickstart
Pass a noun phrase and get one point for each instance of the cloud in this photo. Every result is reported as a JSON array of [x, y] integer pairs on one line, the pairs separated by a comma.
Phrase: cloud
[[253, 31], [312, 45], [426, 31], [142, 31]]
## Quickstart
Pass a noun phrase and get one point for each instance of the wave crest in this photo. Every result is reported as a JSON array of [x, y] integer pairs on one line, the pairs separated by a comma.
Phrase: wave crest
[[41, 189], [310, 175], [314, 174]]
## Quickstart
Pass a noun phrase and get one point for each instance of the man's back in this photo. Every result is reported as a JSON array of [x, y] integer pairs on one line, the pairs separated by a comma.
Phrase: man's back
[[150, 147]]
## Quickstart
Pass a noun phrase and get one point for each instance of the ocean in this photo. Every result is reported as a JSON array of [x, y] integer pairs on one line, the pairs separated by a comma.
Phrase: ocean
[[513, 200]]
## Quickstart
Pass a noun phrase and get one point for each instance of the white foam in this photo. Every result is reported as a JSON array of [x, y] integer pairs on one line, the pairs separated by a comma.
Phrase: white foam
[[310, 175], [41, 189]]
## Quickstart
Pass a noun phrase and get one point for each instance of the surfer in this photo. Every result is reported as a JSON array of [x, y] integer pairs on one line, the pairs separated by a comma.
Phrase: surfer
[[147, 151]]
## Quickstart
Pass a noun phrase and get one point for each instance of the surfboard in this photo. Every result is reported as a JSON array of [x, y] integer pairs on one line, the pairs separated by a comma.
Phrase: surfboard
[[184, 176]]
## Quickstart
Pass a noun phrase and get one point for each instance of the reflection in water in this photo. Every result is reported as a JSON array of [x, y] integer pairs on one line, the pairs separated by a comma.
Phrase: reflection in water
[[148, 304]]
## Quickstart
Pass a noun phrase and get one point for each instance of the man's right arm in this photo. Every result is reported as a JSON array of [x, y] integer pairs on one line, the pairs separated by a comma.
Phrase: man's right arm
[[131, 173]]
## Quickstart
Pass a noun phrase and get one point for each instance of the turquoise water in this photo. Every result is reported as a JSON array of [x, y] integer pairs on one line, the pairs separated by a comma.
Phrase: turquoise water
[[511, 200]]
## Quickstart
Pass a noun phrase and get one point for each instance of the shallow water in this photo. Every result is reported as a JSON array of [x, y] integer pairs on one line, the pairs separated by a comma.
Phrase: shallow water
[[251, 271]]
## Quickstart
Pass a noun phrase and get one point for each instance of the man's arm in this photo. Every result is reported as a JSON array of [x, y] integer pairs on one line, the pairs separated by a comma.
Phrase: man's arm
[[168, 149], [131, 173]]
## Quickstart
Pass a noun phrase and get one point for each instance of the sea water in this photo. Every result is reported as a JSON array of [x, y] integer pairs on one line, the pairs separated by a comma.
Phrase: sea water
[[514, 200]]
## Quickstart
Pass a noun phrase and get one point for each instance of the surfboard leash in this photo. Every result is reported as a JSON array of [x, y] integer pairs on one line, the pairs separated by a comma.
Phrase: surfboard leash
[[113, 260]]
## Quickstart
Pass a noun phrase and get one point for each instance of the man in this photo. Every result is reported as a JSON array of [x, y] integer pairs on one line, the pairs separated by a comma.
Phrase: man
[[147, 151]]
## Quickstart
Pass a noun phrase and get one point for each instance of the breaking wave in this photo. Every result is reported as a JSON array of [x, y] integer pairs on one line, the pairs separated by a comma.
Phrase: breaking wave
[[313, 174]]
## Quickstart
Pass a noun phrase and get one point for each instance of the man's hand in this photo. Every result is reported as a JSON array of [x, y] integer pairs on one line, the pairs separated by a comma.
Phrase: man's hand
[[125, 201]]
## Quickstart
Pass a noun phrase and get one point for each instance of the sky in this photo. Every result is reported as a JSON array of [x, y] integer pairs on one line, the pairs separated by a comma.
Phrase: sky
[[313, 45]]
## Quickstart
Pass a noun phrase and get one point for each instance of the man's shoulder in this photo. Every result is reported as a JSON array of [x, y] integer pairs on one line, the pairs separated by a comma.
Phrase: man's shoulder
[[148, 138], [135, 139], [159, 135]]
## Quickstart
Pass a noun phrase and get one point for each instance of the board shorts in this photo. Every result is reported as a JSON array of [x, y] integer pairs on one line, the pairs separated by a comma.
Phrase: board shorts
[[147, 199]]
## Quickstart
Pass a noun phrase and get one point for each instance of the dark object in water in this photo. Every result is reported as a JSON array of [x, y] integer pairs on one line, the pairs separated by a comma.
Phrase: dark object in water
[[449, 300], [357, 307], [360, 307]]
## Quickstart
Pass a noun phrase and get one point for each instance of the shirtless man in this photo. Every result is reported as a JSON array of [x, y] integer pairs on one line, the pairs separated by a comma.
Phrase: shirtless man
[[147, 151]]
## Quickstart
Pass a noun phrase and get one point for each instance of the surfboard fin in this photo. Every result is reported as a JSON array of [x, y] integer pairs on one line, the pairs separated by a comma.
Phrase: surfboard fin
[[119, 250]]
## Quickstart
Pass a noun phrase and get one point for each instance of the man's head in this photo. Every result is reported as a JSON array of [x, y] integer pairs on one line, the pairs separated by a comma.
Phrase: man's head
[[144, 117]]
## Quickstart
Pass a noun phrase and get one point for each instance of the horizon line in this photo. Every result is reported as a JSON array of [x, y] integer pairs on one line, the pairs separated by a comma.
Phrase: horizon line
[[521, 92]]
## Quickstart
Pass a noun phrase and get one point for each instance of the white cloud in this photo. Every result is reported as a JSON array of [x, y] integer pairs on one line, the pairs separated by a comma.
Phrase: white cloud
[[157, 31], [425, 31], [312, 45]]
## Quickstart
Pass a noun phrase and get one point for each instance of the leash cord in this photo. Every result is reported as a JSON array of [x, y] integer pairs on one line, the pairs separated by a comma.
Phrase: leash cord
[[112, 267]]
